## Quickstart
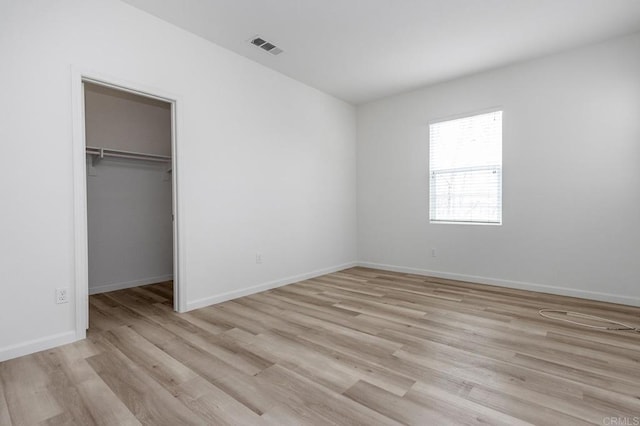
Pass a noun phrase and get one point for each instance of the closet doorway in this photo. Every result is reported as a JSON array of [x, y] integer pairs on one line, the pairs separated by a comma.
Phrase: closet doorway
[[130, 209]]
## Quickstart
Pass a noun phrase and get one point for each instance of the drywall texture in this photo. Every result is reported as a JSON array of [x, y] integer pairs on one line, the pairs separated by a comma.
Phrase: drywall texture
[[129, 224], [120, 120], [571, 177], [265, 163]]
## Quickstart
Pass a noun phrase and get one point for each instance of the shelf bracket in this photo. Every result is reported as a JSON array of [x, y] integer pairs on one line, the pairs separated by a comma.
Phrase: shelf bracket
[[95, 159]]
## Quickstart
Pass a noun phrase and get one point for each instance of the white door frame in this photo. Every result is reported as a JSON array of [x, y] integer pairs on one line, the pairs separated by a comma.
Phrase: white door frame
[[81, 257]]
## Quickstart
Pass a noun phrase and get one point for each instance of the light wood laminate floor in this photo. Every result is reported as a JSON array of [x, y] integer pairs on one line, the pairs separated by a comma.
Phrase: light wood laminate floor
[[359, 346]]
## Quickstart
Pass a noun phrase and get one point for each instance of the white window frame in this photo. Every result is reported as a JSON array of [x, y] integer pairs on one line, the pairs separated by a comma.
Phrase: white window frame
[[478, 168]]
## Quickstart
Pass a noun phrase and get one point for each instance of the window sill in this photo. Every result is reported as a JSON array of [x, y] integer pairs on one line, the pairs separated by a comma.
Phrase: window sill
[[446, 222]]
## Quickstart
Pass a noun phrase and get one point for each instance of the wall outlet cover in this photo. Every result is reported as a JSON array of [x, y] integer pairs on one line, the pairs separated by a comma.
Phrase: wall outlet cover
[[62, 295]]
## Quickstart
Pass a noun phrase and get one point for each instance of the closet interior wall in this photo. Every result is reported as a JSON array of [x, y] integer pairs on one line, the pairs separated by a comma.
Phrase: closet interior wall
[[129, 201]]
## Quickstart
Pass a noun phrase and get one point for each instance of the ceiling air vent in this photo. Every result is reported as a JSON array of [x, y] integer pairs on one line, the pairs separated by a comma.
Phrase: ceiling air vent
[[266, 46]]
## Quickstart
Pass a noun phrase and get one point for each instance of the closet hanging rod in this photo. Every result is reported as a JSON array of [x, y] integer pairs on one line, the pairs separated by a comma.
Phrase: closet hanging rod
[[105, 152]]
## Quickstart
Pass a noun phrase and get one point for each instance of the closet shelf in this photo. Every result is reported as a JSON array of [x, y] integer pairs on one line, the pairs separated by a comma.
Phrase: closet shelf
[[99, 153]]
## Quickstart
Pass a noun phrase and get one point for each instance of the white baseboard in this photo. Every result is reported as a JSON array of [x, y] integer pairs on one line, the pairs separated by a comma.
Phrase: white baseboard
[[234, 294], [136, 283], [540, 288], [26, 348], [37, 345]]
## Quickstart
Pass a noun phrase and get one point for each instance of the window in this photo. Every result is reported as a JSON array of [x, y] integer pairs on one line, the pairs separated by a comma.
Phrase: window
[[465, 169]]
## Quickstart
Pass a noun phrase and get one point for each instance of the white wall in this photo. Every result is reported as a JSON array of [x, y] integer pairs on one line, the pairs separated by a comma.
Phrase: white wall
[[571, 183], [121, 120], [129, 224], [264, 163]]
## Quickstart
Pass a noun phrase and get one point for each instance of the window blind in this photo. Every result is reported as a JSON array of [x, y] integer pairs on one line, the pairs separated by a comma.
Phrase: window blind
[[465, 169]]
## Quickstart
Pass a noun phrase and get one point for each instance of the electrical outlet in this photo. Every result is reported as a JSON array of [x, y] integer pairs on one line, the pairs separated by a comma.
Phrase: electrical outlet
[[258, 258], [433, 252], [62, 295]]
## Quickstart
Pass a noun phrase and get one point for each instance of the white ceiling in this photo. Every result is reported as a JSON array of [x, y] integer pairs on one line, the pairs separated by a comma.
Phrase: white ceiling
[[360, 50]]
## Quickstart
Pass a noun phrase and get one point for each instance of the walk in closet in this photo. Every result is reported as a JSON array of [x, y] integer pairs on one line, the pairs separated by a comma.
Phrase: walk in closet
[[129, 189]]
